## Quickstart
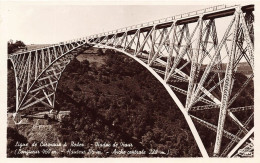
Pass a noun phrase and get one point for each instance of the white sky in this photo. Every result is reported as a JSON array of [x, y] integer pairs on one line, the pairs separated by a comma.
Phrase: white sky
[[38, 23]]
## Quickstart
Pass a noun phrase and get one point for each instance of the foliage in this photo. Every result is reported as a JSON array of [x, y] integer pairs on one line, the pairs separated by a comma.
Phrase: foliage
[[127, 108], [13, 47]]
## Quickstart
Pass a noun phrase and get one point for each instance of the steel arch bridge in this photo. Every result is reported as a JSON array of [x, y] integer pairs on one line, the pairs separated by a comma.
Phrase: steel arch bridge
[[187, 53]]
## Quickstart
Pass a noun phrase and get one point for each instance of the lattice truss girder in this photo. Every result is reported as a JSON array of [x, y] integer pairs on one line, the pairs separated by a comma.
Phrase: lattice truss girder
[[212, 64], [199, 65]]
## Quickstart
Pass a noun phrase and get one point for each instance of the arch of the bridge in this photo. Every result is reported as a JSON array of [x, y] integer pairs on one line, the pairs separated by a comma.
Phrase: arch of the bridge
[[38, 72]]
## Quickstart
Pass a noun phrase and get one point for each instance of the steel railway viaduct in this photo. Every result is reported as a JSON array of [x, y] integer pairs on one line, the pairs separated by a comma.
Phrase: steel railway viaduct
[[167, 47]]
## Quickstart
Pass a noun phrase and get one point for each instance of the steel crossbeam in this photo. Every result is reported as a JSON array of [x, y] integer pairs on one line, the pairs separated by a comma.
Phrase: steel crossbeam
[[214, 128], [229, 146]]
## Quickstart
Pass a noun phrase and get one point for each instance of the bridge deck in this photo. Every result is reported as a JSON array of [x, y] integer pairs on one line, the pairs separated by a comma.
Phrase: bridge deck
[[190, 17]]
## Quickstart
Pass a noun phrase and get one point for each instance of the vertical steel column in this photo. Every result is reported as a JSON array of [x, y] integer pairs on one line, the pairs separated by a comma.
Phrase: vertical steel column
[[226, 88], [194, 64], [250, 45], [171, 48]]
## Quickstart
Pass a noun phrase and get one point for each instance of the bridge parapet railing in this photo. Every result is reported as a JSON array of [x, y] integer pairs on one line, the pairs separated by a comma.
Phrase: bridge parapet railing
[[165, 20]]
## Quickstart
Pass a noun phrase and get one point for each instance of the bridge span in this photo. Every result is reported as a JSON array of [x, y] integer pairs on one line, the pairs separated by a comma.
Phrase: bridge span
[[195, 56]]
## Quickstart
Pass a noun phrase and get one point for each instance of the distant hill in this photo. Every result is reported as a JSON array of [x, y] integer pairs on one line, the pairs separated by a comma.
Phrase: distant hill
[[31, 47], [242, 67], [36, 46]]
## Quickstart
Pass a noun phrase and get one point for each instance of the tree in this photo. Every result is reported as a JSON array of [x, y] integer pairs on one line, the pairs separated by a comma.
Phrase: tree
[[13, 47], [100, 52]]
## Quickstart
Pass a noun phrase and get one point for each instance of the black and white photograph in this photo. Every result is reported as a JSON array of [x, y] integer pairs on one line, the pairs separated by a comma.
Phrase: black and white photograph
[[110, 80]]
